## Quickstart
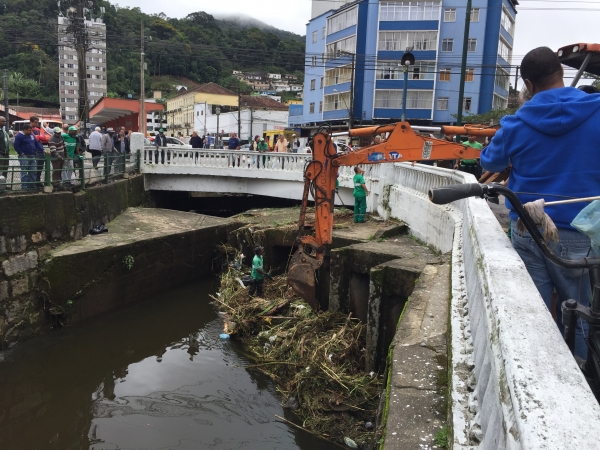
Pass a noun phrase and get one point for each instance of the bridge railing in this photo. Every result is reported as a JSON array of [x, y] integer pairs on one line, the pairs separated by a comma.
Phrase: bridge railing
[[223, 159]]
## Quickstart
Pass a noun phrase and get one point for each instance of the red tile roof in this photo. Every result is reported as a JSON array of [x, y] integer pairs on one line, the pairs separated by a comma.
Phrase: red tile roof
[[209, 88], [262, 102]]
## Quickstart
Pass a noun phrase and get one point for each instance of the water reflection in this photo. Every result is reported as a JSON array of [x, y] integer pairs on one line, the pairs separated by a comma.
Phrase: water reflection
[[152, 376]]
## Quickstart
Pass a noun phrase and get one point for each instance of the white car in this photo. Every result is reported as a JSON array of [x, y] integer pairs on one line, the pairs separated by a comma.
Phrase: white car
[[173, 143]]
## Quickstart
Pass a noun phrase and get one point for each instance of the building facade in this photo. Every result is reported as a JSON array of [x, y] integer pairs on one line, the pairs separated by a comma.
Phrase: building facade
[[95, 61], [353, 61]]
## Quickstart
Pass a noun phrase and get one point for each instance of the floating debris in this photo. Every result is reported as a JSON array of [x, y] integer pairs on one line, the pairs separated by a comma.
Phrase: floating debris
[[315, 359], [350, 443]]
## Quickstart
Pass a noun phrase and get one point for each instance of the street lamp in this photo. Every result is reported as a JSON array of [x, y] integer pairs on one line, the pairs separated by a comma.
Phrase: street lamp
[[217, 112], [408, 59]]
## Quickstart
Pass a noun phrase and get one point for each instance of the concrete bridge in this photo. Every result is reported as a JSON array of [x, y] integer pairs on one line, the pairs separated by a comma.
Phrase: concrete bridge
[[514, 384]]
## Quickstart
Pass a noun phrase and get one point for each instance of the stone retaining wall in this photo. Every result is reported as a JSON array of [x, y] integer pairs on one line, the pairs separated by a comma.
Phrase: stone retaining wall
[[30, 226]]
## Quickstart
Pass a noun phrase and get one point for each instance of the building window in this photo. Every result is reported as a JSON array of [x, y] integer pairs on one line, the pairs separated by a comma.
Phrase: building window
[[472, 45], [338, 75], [442, 103], [391, 70], [313, 61], [445, 75], [467, 104], [321, 83], [447, 45], [508, 23], [311, 108], [401, 40], [336, 102], [315, 36], [312, 84], [449, 15], [502, 78], [470, 75], [504, 50], [344, 45], [324, 32], [475, 15], [409, 10], [499, 102], [393, 99], [342, 21], [321, 106]]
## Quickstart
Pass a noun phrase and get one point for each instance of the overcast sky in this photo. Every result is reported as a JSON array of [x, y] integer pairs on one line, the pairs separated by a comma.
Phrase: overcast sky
[[554, 28]]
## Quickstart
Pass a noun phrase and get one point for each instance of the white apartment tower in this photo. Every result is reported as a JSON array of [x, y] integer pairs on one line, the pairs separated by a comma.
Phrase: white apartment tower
[[95, 64]]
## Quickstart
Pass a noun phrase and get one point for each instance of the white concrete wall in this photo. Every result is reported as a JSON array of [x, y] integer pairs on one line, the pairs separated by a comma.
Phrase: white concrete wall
[[515, 384]]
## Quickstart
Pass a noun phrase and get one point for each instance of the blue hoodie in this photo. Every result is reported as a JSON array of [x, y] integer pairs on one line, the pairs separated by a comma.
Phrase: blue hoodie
[[27, 145], [553, 144]]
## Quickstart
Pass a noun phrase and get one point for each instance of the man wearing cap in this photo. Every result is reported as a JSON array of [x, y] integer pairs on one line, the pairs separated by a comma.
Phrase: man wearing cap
[[72, 151], [295, 144], [258, 274], [107, 146], [96, 146], [262, 147], [160, 141], [56, 149]]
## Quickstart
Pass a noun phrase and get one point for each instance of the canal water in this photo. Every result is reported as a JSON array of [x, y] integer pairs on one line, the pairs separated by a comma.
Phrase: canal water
[[153, 375]]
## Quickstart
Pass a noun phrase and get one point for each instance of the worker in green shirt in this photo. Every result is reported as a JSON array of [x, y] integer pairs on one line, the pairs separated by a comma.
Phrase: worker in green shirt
[[470, 165], [72, 152], [258, 274], [262, 147], [360, 196]]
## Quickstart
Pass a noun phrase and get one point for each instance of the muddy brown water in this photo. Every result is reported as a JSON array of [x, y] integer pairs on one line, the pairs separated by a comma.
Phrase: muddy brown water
[[153, 375]]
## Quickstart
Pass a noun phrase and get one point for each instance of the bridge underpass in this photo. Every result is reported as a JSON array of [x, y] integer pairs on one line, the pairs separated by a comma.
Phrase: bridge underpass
[[513, 381]]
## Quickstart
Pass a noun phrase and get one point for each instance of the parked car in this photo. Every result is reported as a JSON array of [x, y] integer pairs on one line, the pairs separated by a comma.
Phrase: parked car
[[172, 142]]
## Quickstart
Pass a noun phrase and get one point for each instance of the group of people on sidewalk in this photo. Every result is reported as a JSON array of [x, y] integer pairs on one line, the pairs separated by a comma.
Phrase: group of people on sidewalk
[[66, 149]]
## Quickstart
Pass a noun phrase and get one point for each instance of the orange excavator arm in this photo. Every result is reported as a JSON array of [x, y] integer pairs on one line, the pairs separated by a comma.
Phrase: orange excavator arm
[[402, 145]]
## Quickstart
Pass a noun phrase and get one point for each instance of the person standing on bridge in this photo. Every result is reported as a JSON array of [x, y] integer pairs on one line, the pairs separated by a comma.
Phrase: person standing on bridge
[[195, 140], [4, 148], [96, 146], [263, 148], [552, 144], [28, 148], [360, 195], [160, 141]]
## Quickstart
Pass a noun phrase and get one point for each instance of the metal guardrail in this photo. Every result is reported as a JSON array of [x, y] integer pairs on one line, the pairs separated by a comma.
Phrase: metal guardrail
[[36, 173]]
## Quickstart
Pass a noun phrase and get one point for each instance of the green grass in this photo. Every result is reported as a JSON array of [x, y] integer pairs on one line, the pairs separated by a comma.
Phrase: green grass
[[441, 437]]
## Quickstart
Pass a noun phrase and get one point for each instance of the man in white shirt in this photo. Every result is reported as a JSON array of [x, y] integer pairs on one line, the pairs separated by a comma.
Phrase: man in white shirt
[[96, 146]]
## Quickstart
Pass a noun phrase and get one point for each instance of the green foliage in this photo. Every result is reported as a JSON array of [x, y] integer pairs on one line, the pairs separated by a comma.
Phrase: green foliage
[[441, 437], [197, 47], [128, 262], [493, 116]]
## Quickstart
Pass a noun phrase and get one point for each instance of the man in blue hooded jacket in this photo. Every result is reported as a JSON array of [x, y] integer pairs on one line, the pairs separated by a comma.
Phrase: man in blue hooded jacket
[[553, 146]]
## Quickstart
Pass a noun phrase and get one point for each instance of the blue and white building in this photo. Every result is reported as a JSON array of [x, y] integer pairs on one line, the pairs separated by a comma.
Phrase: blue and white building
[[353, 55]]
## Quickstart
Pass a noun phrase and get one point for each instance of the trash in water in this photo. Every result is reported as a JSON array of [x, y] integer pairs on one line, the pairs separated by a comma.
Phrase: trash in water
[[224, 336], [272, 339], [368, 425], [137, 229], [99, 229], [292, 404], [350, 443], [241, 282]]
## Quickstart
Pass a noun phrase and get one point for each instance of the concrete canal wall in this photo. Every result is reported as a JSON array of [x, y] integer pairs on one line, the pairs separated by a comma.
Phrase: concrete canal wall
[[31, 226], [514, 384]]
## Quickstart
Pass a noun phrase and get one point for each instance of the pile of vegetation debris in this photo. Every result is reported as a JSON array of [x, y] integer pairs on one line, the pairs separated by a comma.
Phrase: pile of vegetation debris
[[316, 359]]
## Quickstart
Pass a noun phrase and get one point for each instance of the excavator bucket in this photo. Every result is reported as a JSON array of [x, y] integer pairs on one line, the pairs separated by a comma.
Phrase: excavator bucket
[[301, 277]]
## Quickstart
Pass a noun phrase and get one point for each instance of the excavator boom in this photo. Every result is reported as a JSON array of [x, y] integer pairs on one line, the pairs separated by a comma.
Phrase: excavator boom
[[402, 145]]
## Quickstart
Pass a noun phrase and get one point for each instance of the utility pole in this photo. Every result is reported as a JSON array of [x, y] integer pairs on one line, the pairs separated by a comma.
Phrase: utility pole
[[463, 66], [142, 88], [6, 114], [81, 43], [516, 78], [239, 134]]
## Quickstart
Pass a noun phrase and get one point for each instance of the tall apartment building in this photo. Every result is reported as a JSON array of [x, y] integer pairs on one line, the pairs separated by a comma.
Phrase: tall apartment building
[[353, 58], [95, 61]]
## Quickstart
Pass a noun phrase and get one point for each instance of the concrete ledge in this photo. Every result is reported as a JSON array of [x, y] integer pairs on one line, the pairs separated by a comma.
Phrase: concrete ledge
[[417, 389], [146, 250]]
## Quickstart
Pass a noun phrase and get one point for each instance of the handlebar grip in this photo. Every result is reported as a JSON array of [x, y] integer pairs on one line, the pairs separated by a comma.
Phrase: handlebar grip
[[448, 194]]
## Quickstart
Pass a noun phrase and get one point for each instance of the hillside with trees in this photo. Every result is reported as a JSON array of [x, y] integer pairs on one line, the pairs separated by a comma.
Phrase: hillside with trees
[[198, 47]]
